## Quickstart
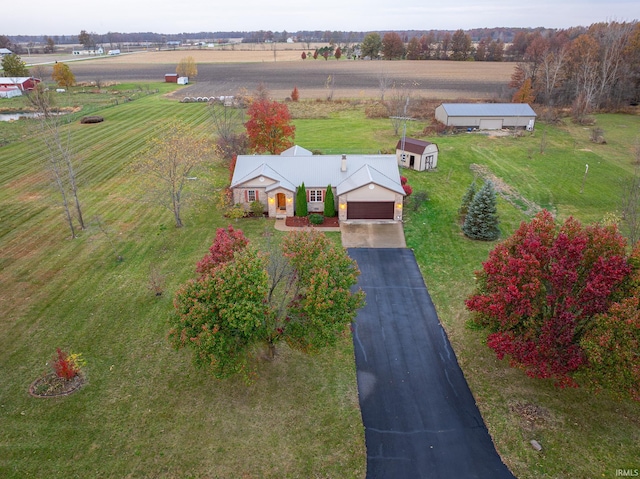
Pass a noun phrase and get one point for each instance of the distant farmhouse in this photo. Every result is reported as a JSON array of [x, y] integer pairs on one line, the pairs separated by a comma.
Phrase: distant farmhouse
[[486, 116], [417, 154], [5, 51], [365, 187], [95, 51]]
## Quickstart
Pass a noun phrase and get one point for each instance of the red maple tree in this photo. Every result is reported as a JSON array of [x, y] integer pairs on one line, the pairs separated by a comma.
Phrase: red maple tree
[[226, 243], [269, 127], [540, 289]]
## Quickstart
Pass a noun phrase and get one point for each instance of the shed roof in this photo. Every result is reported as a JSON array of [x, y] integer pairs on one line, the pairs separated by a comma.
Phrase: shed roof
[[488, 109], [318, 171], [413, 145]]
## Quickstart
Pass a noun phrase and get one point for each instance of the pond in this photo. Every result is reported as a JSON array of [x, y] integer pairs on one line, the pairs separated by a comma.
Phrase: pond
[[17, 115], [5, 116]]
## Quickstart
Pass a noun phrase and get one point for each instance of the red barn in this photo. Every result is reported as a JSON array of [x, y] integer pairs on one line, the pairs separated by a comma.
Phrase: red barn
[[171, 78], [24, 83]]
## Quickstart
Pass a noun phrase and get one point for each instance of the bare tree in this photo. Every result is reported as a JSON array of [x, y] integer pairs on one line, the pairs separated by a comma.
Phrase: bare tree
[[384, 83], [167, 164], [329, 85], [551, 74], [228, 123], [613, 39], [60, 154], [397, 105], [584, 66], [227, 120]]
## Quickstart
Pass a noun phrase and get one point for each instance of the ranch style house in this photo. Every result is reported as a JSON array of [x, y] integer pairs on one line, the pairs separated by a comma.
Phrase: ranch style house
[[365, 187]]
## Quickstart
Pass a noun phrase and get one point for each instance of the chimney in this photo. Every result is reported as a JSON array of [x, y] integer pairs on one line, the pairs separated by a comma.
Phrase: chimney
[[343, 163]]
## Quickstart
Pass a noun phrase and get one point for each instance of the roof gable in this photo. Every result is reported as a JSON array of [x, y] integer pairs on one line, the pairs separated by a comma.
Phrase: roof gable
[[365, 176], [296, 150]]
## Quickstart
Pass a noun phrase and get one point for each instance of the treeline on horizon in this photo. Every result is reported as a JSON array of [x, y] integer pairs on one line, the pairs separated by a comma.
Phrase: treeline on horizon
[[586, 68], [504, 34]]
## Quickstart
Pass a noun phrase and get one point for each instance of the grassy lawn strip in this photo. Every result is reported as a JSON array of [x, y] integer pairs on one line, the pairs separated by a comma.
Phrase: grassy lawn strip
[[147, 412]]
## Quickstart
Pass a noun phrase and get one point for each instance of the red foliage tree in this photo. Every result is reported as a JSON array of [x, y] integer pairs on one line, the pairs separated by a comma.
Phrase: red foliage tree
[[612, 345], [226, 243], [304, 56], [315, 55], [66, 366], [541, 288], [337, 53], [407, 189], [295, 94], [269, 128]]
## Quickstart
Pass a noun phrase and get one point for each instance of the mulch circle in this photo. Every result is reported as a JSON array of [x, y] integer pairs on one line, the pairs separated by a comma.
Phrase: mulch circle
[[50, 385], [303, 221]]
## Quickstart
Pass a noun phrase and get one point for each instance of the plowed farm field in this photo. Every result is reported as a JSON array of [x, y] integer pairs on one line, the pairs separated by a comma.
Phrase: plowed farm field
[[225, 72]]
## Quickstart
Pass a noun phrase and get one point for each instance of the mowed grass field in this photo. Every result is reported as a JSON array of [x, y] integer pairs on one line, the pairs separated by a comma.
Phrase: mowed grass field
[[146, 412]]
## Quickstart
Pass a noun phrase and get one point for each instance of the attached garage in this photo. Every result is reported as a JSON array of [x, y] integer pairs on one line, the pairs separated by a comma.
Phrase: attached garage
[[370, 210], [486, 116]]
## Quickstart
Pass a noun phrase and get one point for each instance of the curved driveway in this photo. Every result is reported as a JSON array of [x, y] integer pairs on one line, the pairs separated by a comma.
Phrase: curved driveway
[[420, 418]]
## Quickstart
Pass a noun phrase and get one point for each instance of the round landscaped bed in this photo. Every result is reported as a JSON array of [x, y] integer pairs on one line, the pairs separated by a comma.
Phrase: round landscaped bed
[[50, 385]]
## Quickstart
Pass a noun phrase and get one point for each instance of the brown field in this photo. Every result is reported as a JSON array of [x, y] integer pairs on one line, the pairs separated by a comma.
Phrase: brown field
[[224, 72]]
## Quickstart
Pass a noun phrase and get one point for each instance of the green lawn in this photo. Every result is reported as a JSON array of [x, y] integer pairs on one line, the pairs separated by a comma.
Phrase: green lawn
[[146, 412]]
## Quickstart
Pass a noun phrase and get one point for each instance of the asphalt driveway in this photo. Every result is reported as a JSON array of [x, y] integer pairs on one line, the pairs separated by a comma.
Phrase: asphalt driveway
[[420, 418], [371, 234]]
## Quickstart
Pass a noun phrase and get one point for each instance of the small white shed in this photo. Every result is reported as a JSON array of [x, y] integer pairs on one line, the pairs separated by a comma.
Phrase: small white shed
[[417, 154], [486, 116]]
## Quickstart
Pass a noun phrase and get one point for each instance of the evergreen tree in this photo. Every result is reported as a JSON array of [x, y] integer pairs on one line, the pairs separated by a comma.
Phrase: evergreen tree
[[467, 199], [329, 203], [481, 222], [301, 201]]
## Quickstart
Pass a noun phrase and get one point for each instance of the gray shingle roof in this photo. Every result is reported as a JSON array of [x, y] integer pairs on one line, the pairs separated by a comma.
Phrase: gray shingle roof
[[318, 171], [488, 109]]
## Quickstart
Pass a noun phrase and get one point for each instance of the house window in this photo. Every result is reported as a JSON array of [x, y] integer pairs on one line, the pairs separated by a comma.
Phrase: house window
[[315, 196], [251, 196]]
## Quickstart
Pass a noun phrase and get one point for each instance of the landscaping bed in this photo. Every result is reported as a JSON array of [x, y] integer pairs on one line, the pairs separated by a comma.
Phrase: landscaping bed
[[302, 221]]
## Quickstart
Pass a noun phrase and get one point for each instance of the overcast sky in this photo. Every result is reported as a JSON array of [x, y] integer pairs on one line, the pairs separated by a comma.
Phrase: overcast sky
[[42, 17]]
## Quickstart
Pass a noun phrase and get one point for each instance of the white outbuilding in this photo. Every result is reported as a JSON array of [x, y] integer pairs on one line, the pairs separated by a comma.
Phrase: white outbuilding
[[417, 154], [486, 116]]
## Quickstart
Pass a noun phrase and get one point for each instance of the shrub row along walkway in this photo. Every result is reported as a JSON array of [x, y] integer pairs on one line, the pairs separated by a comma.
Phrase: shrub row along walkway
[[420, 418]]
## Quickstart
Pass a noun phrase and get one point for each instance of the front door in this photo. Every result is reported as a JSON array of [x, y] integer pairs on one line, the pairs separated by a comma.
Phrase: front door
[[281, 202]]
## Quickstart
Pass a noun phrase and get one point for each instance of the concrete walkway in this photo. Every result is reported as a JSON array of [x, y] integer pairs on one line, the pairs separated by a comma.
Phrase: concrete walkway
[[420, 418]]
